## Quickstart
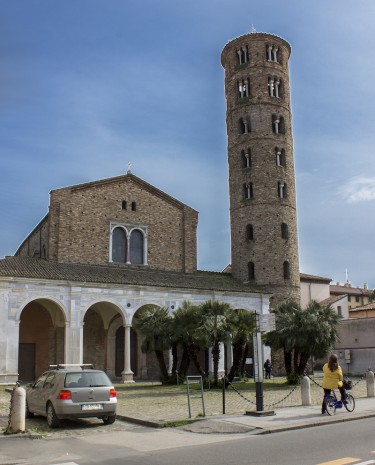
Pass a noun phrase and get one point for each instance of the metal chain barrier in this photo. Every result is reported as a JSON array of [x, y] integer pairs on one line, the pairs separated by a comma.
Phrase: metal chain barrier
[[284, 398], [362, 378], [254, 403]]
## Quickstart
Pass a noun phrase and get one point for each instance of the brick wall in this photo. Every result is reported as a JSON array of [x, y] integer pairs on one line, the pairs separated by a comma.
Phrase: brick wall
[[80, 218]]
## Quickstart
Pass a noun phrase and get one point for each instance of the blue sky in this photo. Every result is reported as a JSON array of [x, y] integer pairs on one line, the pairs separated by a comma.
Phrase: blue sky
[[87, 86]]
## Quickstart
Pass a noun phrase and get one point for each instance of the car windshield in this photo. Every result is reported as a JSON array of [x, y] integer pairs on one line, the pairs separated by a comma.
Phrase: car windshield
[[87, 379]]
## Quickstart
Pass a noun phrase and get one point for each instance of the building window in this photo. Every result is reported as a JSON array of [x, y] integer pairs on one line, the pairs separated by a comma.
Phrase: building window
[[246, 158], [280, 157], [123, 205], [286, 270], [357, 298], [248, 188], [134, 206], [339, 311], [272, 53], [281, 190], [243, 88], [284, 231], [119, 245], [274, 86], [242, 55], [244, 124], [249, 232], [278, 124], [349, 298], [136, 247], [251, 271], [128, 245]]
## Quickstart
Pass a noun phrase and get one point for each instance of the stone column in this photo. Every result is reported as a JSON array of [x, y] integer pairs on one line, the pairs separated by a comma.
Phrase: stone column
[[229, 354], [73, 342], [221, 367], [127, 374]]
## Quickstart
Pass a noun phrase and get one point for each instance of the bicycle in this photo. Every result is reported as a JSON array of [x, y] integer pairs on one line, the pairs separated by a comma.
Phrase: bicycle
[[331, 403]]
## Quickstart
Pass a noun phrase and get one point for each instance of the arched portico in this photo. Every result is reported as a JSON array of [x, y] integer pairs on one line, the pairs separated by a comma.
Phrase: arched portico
[[100, 322], [41, 337]]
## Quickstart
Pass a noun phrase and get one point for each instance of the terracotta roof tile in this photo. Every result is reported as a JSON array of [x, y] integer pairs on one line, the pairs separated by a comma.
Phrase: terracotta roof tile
[[36, 268]]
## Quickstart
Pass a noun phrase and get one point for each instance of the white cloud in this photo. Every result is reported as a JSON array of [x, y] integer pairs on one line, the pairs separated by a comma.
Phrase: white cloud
[[358, 189]]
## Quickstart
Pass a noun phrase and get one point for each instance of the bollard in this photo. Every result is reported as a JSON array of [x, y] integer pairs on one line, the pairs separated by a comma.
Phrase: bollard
[[305, 391], [17, 411], [370, 384]]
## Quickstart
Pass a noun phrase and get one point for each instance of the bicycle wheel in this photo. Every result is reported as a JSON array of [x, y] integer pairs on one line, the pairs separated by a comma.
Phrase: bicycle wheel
[[330, 405], [350, 403]]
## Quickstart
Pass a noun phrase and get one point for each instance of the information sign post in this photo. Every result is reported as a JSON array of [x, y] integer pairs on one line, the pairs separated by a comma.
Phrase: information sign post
[[264, 324]]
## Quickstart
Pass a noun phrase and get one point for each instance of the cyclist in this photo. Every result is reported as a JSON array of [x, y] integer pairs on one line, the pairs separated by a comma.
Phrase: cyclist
[[332, 379]]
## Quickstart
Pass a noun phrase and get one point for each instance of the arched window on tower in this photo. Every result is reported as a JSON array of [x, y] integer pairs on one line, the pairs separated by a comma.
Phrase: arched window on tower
[[281, 190], [243, 88], [249, 232], [136, 247], [119, 243], [272, 53], [284, 231], [244, 125], [274, 87], [246, 158], [271, 86], [242, 55], [248, 190], [280, 157], [251, 271], [286, 270], [278, 124]]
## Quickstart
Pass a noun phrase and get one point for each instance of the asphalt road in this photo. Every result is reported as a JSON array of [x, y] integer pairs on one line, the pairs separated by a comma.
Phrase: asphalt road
[[337, 444]]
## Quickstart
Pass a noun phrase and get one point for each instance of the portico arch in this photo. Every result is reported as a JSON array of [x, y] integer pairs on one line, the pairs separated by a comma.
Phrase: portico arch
[[41, 337], [100, 322]]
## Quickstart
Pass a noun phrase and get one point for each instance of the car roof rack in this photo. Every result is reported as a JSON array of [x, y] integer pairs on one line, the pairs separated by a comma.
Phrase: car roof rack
[[63, 366]]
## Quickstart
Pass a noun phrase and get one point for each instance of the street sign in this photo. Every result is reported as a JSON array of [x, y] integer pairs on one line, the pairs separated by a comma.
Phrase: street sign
[[267, 323]]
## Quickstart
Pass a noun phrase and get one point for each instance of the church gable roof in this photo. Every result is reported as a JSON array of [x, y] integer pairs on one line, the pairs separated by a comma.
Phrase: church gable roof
[[128, 177]]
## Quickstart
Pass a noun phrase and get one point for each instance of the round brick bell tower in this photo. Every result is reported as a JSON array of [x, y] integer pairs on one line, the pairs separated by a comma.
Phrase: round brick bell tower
[[264, 239]]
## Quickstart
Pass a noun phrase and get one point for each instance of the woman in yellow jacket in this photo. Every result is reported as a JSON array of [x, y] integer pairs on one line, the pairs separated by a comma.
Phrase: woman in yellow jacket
[[332, 378]]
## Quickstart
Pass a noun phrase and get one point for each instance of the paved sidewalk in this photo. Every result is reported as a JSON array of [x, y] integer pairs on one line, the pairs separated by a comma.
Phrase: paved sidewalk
[[284, 419]]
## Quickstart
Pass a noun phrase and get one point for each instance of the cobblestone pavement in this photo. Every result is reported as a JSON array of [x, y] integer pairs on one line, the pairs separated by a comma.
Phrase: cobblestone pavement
[[156, 403]]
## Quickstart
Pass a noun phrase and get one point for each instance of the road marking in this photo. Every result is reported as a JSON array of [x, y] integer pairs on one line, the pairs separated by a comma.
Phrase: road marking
[[65, 463], [343, 461]]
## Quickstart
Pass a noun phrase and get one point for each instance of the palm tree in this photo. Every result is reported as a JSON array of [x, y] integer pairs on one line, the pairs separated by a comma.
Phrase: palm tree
[[241, 325], [303, 333], [215, 328], [154, 324], [186, 322]]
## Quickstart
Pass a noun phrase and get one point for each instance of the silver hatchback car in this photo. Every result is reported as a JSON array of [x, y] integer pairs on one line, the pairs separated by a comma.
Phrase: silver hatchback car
[[72, 391]]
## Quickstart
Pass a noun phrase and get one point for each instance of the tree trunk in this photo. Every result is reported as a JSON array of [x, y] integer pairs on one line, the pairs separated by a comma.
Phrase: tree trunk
[[238, 348], [162, 366], [174, 359], [215, 358], [243, 362], [304, 358], [193, 356], [288, 362], [184, 364]]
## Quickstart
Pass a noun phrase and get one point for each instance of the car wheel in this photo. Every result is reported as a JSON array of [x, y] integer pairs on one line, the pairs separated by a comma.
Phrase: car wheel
[[52, 419], [28, 414], [109, 420]]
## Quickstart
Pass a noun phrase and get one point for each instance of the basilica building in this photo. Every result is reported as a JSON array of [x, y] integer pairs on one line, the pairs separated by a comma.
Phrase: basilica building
[[108, 249]]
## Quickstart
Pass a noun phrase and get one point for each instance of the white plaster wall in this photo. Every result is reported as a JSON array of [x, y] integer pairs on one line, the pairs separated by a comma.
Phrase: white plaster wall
[[313, 291]]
